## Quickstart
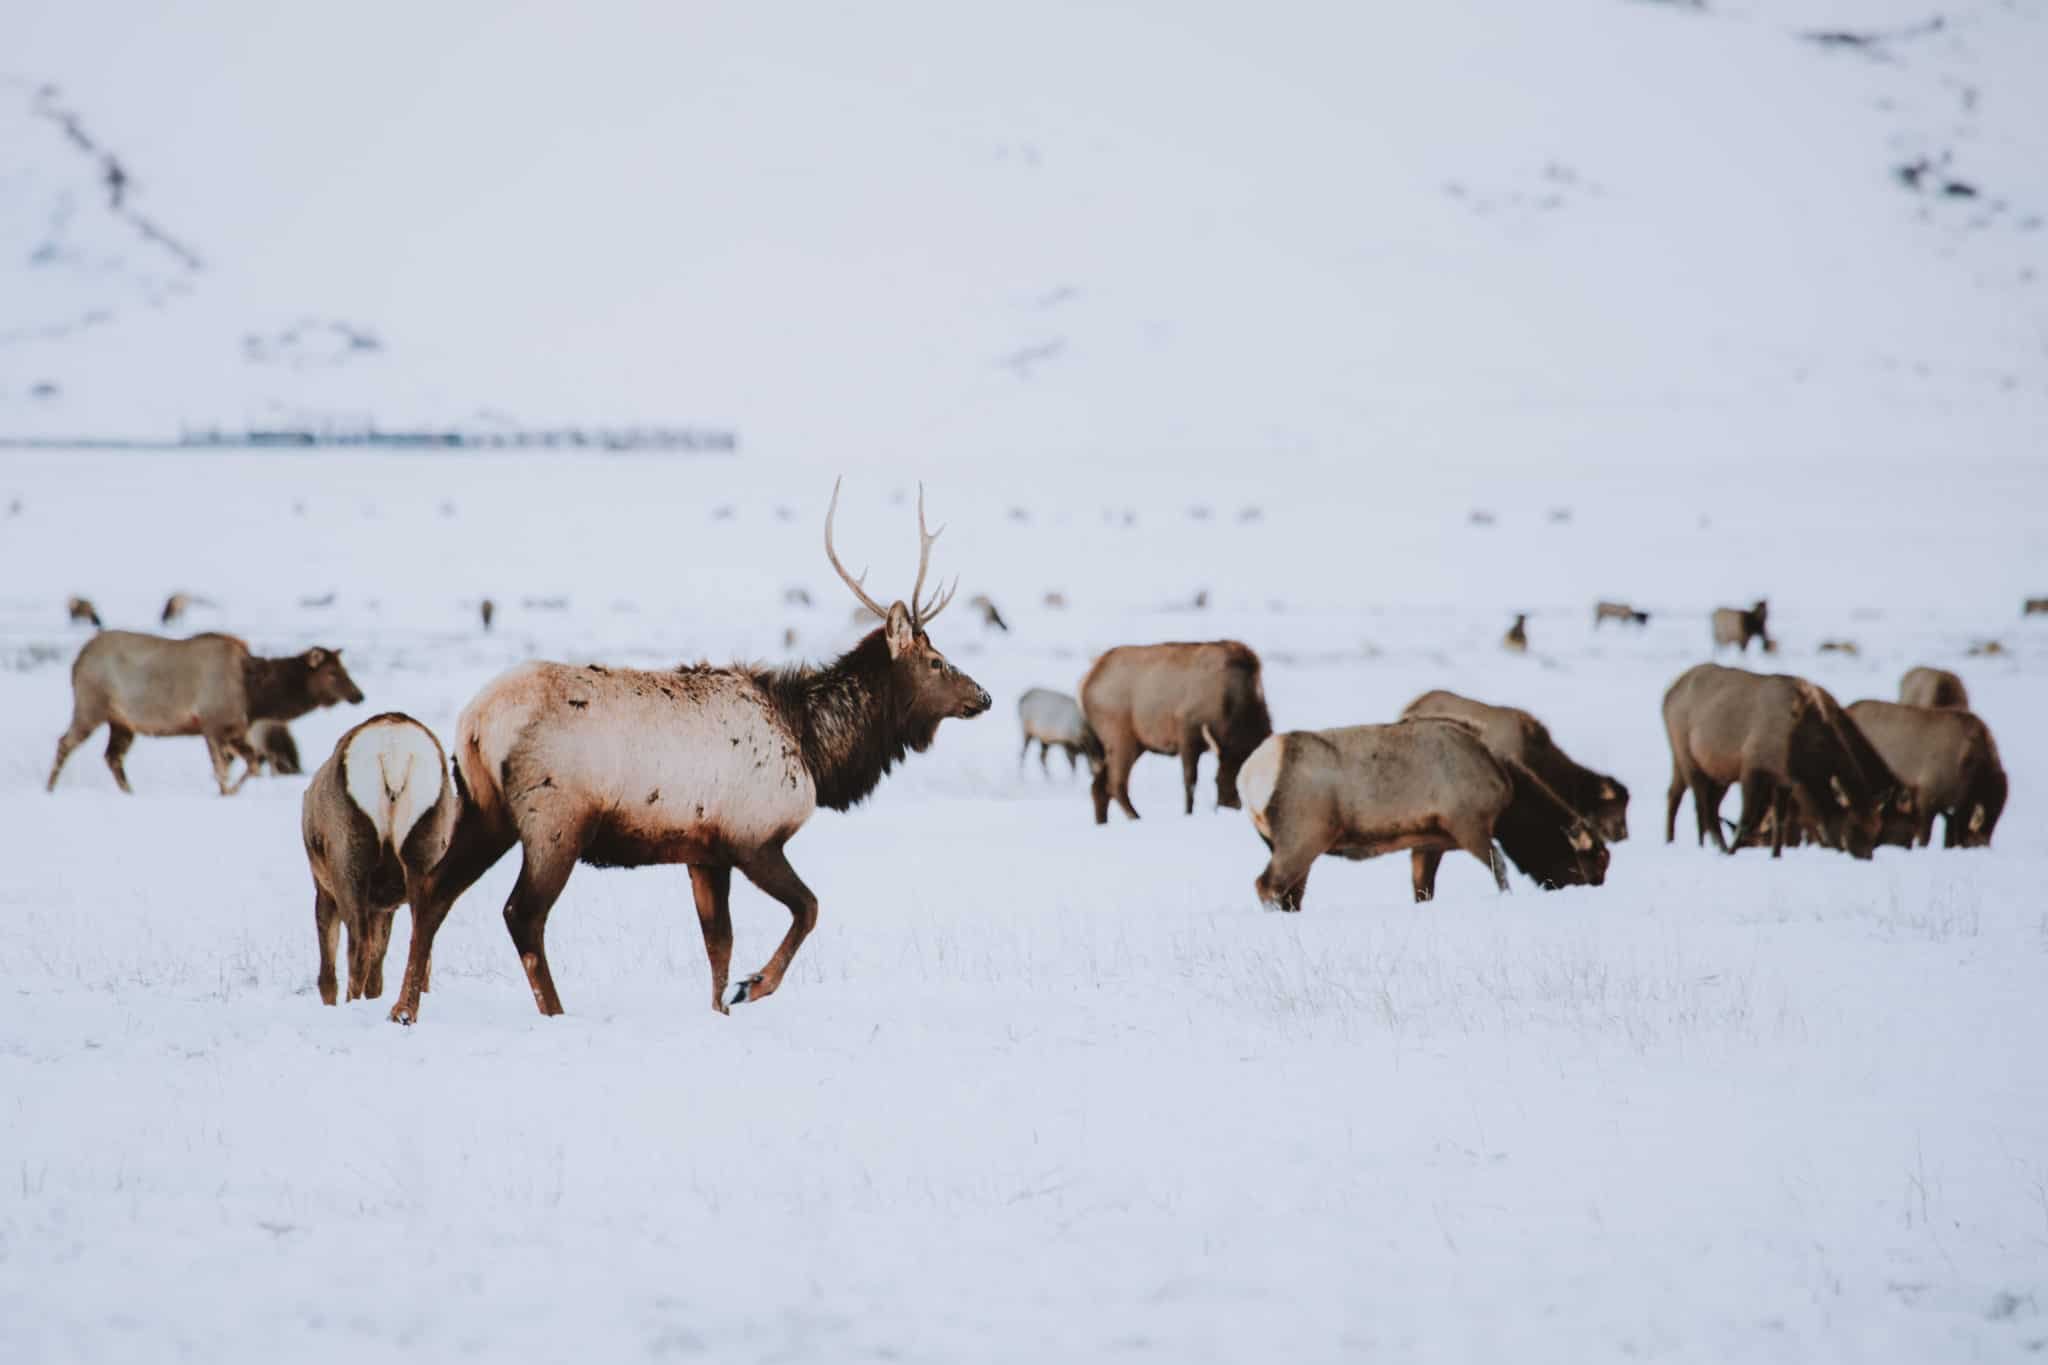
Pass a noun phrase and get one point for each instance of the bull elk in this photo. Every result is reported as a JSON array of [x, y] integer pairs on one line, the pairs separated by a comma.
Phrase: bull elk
[[714, 768]]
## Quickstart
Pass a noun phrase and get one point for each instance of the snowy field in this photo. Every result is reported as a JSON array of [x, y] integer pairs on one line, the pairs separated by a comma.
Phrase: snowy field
[[1035, 1090]]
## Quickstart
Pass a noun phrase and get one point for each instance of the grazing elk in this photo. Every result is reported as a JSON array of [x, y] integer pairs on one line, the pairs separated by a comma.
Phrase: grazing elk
[[1517, 736], [1174, 699], [178, 603], [1848, 647], [2034, 606], [1947, 759], [715, 768], [1933, 687], [1517, 639], [82, 612], [1789, 746], [209, 685], [1734, 626], [986, 608], [1429, 785], [1618, 611], [1054, 721], [273, 742], [376, 818]]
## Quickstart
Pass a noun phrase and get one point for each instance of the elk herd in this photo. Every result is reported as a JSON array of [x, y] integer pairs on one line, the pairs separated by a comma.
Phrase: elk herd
[[717, 768]]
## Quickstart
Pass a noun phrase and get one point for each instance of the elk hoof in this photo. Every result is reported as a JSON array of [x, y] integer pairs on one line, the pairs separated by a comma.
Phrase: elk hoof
[[746, 990], [400, 1015]]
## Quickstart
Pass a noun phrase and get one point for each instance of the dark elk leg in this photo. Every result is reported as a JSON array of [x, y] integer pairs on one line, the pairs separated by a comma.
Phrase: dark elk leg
[[474, 846], [221, 757], [1672, 797], [543, 872], [327, 921], [1023, 753], [1226, 780], [1190, 765], [712, 888], [1422, 865], [1706, 805], [1781, 811], [1043, 750], [1757, 796], [376, 943], [771, 871], [1120, 765], [119, 737], [1285, 881]]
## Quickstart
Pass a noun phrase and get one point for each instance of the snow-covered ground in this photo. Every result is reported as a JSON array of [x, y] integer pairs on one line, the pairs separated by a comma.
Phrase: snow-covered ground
[[1035, 1090]]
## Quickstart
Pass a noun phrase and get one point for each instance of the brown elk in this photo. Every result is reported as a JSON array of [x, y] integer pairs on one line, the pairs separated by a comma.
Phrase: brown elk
[[1174, 699], [209, 685], [1618, 611], [1789, 746], [1516, 641], [1517, 736], [82, 612], [1948, 760], [376, 818], [1933, 687], [1429, 785], [1734, 626], [715, 768], [273, 742], [2034, 606]]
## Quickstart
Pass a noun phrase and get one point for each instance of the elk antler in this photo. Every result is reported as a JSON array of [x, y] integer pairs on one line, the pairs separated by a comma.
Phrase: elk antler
[[851, 581], [924, 615]]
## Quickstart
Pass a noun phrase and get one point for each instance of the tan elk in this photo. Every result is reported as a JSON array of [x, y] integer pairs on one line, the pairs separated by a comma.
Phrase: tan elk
[[376, 818], [715, 768]]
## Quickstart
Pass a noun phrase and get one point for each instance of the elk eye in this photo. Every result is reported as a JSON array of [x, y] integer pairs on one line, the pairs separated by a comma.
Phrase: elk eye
[[936, 665]]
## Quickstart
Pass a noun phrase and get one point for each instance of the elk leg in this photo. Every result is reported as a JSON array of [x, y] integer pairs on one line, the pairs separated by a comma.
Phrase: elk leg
[[1781, 812], [1285, 881], [1044, 751], [712, 888], [1226, 780], [543, 872], [1422, 865], [476, 843], [771, 871], [327, 920], [1119, 767], [355, 919], [68, 741], [252, 758], [1098, 790], [376, 944], [1672, 797], [1023, 753], [1073, 765], [1498, 866], [1190, 765], [119, 737], [1925, 834], [1706, 805], [217, 755], [1756, 799]]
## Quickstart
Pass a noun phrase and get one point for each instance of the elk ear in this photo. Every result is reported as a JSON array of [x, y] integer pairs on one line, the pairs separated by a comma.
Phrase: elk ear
[[1841, 797], [1976, 819], [1582, 841], [899, 631], [315, 657], [1607, 791]]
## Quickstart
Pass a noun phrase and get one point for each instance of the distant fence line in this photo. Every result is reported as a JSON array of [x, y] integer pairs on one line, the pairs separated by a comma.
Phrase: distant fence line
[[695, 440]]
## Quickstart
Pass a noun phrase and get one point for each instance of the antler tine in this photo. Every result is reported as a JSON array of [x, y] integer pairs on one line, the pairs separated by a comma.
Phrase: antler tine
[[939, 604], [833, 555], [924, 562]]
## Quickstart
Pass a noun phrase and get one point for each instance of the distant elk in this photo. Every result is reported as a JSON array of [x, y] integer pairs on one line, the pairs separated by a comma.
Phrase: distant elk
[[1174, 699], [376, 818], [1792, 750], [1933, 687], [1734, 626], [986, 609], [1618, 611], [486, 610], [82, 612], [178, 603], [1517, 639], [1514, 735], [1848, 647], [209, 685], [1947, 759], [1053, 720], [2034, 606], [1428, 785], [715, 768]]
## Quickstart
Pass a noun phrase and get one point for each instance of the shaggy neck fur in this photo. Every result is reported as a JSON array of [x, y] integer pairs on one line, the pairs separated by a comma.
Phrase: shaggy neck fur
[[851, 724], [277, 688]]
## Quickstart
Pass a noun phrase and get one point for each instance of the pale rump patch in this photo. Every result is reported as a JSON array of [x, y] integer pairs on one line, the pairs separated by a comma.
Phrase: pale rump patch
[[1257, 779], [394, 775]]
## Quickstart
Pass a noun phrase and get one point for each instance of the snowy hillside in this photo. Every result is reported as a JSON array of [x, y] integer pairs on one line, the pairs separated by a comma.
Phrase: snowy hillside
[[1477, 229]]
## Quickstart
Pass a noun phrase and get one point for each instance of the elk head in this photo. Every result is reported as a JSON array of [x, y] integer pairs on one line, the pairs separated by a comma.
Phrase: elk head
[[926, 686], [327, 682]]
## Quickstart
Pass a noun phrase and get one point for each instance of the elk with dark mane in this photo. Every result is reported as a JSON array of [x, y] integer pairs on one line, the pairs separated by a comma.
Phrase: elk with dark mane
[[715, 768]]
